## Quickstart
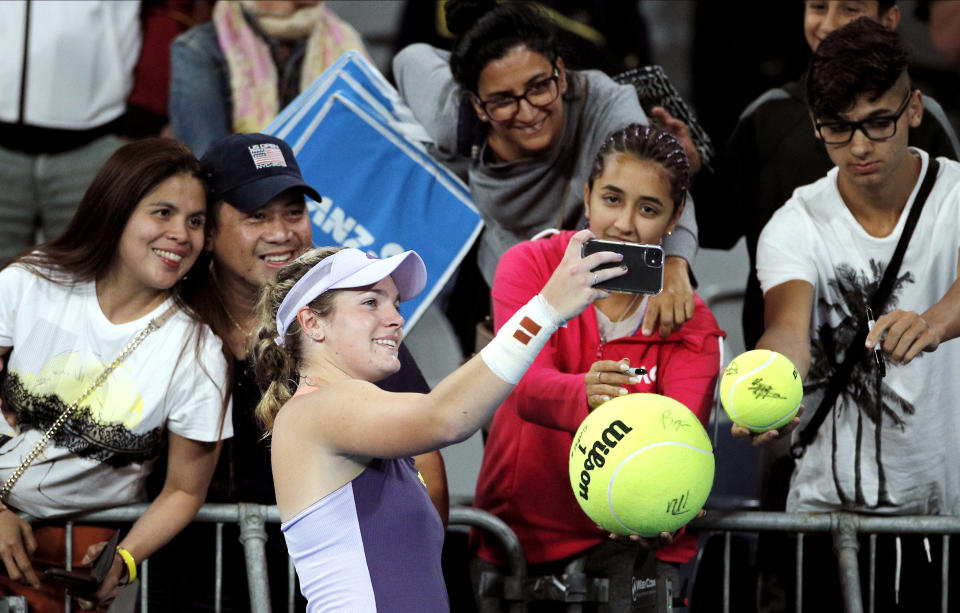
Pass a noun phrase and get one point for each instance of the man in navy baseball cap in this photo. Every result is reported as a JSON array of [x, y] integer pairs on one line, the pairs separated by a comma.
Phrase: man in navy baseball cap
[[258, 223], [258, 210], [249, 170]]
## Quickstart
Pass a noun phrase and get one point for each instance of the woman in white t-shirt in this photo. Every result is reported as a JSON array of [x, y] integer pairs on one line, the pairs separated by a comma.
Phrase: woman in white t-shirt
[[71, 310]]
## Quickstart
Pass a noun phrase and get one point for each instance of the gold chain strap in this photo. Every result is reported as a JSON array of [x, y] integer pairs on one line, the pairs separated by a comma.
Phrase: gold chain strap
[[45, 439]]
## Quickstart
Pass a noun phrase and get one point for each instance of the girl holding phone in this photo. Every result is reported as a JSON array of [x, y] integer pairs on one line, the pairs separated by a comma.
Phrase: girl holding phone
[[635, 193]]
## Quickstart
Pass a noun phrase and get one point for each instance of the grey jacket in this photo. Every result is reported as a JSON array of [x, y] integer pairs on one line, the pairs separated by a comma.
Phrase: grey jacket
[[521, 198]]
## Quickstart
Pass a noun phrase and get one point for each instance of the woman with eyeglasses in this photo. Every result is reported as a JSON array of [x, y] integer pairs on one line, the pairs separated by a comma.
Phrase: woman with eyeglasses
[[504, 104]]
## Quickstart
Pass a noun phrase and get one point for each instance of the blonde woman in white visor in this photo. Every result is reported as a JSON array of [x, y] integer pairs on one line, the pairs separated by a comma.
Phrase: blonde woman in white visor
[[357, 519]]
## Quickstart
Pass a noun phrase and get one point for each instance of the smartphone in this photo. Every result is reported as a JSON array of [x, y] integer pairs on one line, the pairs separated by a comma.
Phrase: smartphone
[[644, 266], [78, 582], [84, 582]]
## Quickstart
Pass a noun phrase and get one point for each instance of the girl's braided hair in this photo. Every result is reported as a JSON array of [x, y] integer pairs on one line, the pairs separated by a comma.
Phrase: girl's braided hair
[[648, 143]]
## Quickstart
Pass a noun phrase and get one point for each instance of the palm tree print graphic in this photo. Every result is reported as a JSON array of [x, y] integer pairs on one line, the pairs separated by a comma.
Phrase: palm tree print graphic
[[865, 391]]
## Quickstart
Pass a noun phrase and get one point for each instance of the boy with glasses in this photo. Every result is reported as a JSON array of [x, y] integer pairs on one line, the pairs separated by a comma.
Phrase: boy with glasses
[[773, 151], [877, 127], [891, 440]]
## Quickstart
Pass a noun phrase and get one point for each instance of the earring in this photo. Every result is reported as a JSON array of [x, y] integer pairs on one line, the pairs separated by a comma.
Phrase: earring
[[669, 232]]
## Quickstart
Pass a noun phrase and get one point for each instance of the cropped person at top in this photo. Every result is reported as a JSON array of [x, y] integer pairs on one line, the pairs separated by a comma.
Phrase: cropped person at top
[[235, 72], [258, 224], [635, 193], [357, 519], [504, 103], [773, 151], [110, 296], [67, 70]]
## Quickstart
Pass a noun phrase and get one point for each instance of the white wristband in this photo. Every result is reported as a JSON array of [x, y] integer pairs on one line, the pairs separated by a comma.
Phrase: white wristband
[[513, 349]]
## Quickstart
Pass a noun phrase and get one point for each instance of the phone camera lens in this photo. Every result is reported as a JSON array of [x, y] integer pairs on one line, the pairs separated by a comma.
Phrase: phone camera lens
[[653, 258]]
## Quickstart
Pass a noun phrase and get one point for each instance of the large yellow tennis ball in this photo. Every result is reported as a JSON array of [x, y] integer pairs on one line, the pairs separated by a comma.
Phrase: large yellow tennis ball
[[641, 464], [761, 390]]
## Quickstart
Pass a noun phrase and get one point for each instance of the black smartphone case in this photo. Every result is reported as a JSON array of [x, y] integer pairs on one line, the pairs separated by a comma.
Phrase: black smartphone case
[[82, 582], [644, 266]]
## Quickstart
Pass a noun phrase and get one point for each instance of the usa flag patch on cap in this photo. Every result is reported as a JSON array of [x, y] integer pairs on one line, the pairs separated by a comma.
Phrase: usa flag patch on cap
[[267, 155]]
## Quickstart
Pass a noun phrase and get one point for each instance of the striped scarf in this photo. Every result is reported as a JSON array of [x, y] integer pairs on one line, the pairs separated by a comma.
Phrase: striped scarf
[[253, 74]]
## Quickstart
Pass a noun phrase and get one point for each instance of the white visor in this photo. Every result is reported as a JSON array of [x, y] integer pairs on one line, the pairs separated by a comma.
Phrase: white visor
[[349, 268]]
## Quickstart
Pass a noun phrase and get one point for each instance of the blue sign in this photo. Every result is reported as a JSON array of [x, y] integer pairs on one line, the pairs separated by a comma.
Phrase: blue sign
[[382, 193]]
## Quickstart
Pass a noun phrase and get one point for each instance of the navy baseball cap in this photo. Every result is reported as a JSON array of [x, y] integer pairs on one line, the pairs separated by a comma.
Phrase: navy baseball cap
[[249, 170]]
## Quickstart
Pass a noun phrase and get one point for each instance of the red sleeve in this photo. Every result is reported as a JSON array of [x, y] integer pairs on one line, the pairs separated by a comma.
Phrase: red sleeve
[[544, 396], [162, 22], [689, 374]]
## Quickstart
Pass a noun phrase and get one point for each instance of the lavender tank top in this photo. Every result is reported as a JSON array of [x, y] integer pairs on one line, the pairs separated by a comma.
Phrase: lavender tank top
[[372, 545]]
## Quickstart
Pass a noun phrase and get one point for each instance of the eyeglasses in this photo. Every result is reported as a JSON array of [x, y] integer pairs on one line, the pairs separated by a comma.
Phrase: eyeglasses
[[878, 128], [505, 107]]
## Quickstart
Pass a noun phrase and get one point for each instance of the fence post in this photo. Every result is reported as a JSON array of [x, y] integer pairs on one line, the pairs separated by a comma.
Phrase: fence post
[[576, 582], [253, 536], [496, 527], [846, 545]]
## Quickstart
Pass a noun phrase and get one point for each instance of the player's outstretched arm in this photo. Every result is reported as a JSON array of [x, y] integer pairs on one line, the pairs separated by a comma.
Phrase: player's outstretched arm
[[788, 308], [356, 417]]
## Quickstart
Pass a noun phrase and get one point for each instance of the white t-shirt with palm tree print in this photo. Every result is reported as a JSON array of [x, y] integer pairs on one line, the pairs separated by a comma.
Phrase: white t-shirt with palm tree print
[[889, 445]]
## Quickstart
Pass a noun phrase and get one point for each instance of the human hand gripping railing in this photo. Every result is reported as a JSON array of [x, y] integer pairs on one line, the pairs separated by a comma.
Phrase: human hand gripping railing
[[252, 519]]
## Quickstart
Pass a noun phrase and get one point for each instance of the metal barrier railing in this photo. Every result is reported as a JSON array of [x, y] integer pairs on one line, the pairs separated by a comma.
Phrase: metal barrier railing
[[845, 528], [252, 519]]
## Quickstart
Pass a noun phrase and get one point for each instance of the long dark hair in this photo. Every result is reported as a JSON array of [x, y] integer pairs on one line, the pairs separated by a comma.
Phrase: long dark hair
[[88, 247], [486, 31]]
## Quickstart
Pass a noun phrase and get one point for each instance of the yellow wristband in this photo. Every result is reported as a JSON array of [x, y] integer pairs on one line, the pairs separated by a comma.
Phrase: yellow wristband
[[127, 557]]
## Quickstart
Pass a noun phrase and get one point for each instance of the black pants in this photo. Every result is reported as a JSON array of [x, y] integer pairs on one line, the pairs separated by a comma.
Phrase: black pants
[[919, 580]]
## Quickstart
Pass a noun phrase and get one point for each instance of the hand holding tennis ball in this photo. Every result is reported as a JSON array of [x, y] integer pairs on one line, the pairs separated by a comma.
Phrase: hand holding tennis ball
[[761, 390], [641, 464]]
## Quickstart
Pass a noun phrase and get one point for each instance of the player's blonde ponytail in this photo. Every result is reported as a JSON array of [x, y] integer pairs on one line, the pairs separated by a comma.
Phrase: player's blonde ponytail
[[277, 368]]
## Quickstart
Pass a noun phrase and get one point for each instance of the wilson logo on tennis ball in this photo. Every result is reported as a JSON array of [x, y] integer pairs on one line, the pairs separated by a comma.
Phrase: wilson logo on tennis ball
[[609, 438], [641, 464]]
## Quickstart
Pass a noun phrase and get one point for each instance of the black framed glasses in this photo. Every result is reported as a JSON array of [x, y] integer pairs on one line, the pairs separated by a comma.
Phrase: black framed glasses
[[504, 107], [879, 128]]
